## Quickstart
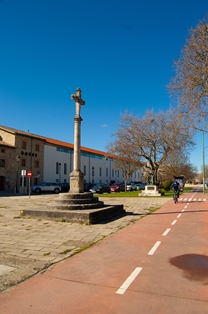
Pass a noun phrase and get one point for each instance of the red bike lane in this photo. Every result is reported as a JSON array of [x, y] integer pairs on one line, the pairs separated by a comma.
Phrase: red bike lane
[[157, 265]]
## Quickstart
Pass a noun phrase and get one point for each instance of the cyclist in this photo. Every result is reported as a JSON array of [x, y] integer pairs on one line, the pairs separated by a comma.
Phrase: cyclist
[[176, 187]]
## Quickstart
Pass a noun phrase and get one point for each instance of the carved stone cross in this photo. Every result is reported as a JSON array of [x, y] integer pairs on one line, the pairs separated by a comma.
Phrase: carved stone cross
[[77, 98], [76, 176]]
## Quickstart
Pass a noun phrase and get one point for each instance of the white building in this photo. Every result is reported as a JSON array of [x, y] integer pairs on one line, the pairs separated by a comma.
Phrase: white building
[[58, 163]]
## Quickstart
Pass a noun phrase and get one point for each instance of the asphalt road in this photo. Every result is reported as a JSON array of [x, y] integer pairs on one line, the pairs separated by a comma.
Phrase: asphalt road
[[159, 264]]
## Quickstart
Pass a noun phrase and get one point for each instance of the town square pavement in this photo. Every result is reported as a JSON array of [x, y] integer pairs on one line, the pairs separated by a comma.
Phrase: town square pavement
[[29, 246]]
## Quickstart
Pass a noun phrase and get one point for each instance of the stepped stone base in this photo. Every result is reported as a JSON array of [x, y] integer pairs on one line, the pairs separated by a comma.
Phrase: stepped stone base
[[76, 207]]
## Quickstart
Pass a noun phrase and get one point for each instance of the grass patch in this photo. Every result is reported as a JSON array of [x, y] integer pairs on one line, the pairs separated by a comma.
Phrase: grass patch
[[65, 252], [136, 193], [119, 194], [83, 248], [46, 254], [170, 193]]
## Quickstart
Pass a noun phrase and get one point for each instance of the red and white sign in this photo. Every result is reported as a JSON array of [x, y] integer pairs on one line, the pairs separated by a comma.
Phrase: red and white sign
[[29, 173]]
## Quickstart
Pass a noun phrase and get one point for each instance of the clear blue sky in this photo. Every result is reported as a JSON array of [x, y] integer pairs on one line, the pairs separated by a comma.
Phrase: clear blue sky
[[119, 52]]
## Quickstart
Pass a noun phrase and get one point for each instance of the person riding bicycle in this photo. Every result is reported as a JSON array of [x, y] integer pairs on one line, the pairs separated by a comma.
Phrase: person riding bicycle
[[176, 186]]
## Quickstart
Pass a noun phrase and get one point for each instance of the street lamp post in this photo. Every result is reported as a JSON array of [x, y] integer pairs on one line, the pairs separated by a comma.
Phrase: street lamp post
[[203, 163], [17, 176]]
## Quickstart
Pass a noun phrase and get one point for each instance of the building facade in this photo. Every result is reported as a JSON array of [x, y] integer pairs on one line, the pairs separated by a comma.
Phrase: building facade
[[51, 160]]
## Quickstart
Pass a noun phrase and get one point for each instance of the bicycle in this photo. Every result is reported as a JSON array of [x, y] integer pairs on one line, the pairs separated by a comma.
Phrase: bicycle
[[175, 196]]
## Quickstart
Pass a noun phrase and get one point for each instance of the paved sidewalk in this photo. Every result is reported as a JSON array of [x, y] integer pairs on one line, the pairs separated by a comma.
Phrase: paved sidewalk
[[29, 246]]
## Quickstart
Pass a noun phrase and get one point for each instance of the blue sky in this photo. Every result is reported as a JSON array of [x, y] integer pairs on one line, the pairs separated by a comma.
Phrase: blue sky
[[119, 52]]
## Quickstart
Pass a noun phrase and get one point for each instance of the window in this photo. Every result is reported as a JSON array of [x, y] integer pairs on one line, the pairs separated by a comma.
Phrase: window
[[112, 172], [93, 171], [57, 167], [37, 147], [2, 163], [100, 171], [85, 170], [24, 145], [23, 162], [36, 163], [106, 172], [118, 173], [65, 168]]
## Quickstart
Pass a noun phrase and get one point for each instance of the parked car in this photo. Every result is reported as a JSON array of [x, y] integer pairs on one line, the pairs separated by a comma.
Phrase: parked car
[[47, 187], [87, 186], [117, 187], [138, 185], [64, 187], [101, 188], [142, 186], [131, 187]]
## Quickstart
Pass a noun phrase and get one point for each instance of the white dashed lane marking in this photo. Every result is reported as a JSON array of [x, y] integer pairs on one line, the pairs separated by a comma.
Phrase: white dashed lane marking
[[154, 248], [129, 280], [192, 200], [166, 232]]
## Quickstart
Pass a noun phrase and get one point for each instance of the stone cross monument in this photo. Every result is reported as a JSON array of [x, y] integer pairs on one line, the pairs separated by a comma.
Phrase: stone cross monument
[[76, 176]]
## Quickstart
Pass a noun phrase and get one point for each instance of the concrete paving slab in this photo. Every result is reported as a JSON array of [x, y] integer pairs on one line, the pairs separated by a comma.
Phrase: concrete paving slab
[[5, 269]]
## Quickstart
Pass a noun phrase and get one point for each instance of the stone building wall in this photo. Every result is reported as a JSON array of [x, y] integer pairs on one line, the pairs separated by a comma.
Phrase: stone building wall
[[31, 152], [21, 151], [7, 137], [7, 167]]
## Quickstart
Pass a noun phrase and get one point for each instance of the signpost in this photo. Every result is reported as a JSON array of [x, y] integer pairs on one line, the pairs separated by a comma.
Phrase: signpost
[[29, 175]]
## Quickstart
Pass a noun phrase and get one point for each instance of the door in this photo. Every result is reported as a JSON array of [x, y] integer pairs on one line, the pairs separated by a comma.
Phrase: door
[[2, 183]]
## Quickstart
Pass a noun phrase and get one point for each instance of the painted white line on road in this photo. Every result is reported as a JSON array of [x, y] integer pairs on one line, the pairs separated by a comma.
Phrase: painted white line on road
[[185, 199], [129, 280], [204, 199], [194, 199], [173, 223], [183, 210], [185, 207], [199, 199], [166, 232], [179, 216], [154, 248]]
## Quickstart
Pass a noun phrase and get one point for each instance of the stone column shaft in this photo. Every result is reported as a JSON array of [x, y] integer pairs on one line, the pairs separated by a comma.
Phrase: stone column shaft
[[77, 133]]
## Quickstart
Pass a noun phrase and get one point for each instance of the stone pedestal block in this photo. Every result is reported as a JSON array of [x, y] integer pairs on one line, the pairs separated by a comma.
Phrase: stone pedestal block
[[76, 182], [150, 190]]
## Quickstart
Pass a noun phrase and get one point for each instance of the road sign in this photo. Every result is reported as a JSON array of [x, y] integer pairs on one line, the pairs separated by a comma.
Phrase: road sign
[[23, 173], [29, 173]]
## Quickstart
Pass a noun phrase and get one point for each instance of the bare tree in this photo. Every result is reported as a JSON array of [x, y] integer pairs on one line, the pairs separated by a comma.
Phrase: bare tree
[[151, 138], [189, 87], [125, 160], [177, 164]]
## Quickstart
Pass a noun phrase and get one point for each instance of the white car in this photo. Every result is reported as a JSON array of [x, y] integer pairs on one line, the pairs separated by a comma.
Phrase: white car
[[47, 187], [131, 187]]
